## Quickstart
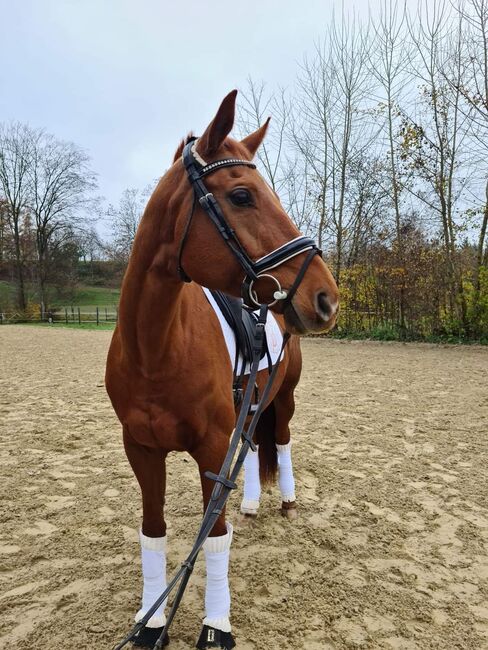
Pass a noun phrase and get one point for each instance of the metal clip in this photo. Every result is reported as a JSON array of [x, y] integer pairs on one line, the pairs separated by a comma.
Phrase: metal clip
[[204, 200]]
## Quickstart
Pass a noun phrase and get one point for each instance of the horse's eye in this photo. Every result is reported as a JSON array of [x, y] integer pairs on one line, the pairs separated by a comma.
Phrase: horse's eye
[[241, 197]]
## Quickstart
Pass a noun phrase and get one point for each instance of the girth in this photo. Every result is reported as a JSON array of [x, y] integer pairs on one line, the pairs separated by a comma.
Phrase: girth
[[242, 322]]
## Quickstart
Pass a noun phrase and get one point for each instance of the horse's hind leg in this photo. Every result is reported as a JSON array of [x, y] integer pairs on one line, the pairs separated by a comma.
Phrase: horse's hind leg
[[148, 465], [285, 407], [284, 404], [273, 456], [252, 485], [273, 437]]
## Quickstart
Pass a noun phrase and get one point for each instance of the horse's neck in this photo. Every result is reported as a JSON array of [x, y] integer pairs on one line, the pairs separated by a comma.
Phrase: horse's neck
[[151, 297]]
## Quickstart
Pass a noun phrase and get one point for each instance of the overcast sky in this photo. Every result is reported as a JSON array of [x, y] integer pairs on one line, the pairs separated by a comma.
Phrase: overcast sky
[[126, 79]]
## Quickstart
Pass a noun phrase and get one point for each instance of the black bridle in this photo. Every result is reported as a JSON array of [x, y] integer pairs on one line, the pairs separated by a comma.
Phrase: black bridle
[[197, 169]]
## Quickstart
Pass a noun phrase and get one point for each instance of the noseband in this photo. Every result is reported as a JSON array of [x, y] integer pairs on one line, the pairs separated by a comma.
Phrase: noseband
[[197, 169]]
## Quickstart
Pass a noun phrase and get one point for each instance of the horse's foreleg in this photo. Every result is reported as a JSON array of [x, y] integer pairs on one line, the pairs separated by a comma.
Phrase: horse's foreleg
[[216, 631], [148, 465]]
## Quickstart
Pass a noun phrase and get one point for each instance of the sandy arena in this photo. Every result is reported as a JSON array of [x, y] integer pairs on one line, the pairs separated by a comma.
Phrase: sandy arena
[[390, 549]]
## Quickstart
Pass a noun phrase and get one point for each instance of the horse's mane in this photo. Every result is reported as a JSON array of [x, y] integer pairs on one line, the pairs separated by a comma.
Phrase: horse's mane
[[182, 144]]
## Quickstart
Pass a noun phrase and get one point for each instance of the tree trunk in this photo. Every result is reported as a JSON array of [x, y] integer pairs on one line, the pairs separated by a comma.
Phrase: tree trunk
[[19, 267], [480, 261]]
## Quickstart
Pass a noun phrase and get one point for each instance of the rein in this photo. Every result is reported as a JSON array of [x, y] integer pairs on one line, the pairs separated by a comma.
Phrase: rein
[[225, 480], [197, 169]]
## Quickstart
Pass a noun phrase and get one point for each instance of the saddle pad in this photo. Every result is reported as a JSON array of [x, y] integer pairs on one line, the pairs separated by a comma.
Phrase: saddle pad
[[274, 337]]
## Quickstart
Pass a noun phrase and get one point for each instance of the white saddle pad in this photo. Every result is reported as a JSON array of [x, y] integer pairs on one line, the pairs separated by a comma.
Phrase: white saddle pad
[[274, 337]]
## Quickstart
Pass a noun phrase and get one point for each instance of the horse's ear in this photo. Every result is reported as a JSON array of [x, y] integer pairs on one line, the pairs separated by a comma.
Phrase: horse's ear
[[253, 141], [220, 127]]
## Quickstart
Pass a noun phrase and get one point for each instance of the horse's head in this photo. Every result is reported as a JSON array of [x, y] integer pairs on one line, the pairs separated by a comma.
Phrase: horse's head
[[252, 210]]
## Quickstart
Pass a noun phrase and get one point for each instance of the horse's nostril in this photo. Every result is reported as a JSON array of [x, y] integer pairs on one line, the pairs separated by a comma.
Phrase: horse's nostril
[[323, 304]]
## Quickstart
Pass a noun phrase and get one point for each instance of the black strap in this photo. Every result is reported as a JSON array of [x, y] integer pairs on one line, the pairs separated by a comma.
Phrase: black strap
[[301, 273], [285, 252], [206, 199]]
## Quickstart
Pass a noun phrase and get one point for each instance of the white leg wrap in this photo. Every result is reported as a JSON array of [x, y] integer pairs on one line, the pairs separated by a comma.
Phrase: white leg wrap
[[217, 593], [285, 469], [153, 555], [252, 485]]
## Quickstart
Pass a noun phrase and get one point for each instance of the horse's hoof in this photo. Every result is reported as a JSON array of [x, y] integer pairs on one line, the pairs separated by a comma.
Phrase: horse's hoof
[[289, 510], [212, 638], [246, 520], [147, 637]]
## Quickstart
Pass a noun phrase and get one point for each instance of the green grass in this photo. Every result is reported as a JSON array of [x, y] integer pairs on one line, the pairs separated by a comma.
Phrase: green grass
[[90, 297], [6, 291], [87, 298], [77, 326]]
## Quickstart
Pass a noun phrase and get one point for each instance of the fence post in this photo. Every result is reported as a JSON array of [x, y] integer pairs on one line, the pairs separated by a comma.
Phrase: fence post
[[106, 314], [79, 316], [66, 315], [72, 313], [98, 319]]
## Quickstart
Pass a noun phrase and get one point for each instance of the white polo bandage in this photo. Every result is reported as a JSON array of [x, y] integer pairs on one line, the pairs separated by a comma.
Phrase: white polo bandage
[[285, 473], [252, 484], [217, 593], [153, 558]]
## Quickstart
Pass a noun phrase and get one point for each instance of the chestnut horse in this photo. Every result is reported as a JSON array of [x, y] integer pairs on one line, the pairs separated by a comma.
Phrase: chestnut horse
[[169, 374]]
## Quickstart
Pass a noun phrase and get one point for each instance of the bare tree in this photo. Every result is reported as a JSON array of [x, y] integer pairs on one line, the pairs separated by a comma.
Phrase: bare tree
[[125, 219], [61, 183], [436, 133], [15, 159], [256, 106], [473, 87], [310, 133], [332, 129], [388, 58], [90, 245], [3, 230]]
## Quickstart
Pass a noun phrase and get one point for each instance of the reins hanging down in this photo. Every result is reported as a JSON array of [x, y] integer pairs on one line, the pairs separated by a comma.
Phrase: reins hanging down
[[225, 481]]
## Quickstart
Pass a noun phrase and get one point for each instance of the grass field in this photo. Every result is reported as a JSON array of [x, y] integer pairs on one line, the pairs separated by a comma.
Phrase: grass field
[[86, 297], [103, 325], [89, 298]]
